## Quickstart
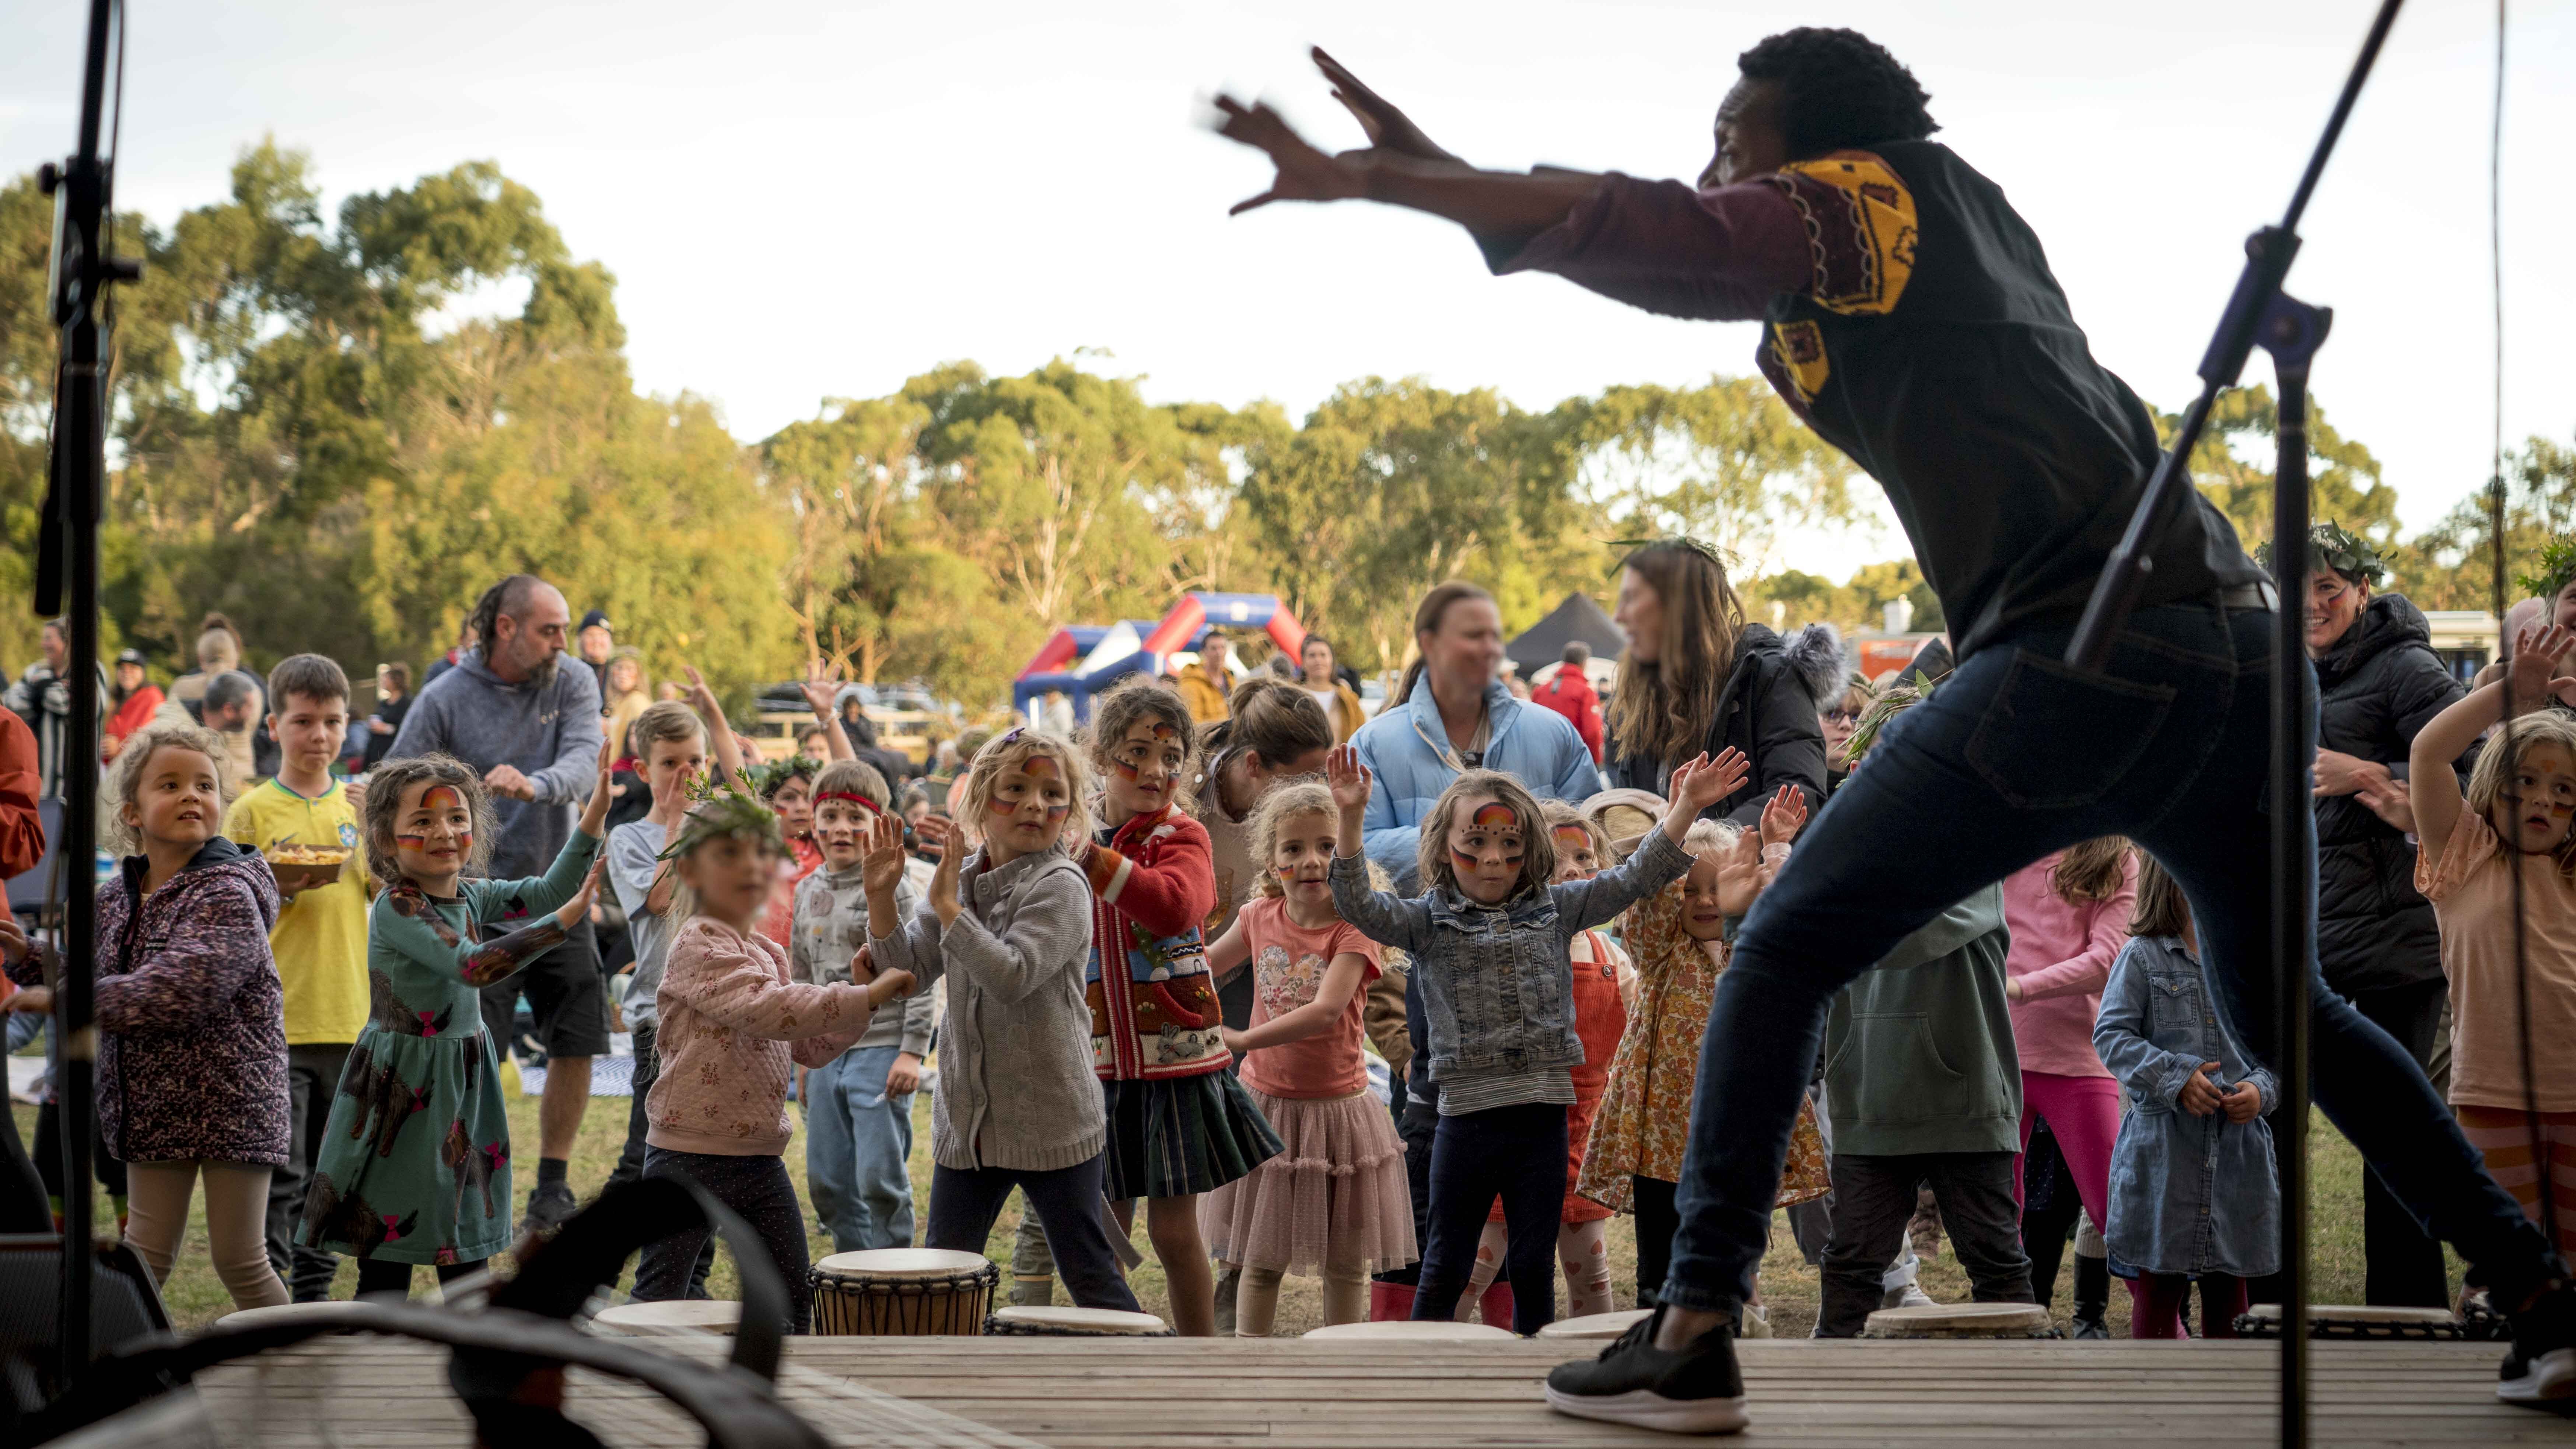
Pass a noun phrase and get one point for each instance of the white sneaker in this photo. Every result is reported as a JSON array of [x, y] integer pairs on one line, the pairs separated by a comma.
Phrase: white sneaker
[[1909, 1296]]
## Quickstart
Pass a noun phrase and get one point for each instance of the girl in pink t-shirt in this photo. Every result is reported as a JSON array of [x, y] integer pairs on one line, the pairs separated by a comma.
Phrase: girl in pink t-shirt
[[2509, 997], [2068, 914], [1336, 1196]]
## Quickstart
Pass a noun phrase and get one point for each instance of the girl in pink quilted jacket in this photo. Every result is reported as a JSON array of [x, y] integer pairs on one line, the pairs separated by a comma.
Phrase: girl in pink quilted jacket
[[192, 1032], [732, 1022]]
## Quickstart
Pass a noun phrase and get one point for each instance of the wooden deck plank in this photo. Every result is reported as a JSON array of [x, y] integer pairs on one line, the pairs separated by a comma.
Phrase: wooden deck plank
[[1289, 1394]]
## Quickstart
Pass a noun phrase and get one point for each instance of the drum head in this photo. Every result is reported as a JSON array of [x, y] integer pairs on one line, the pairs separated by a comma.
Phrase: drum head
[[1404, 1328], [1958, 1320], [901, 1263], [660, 1320], [1112, 1321], [1596, 1325], [281, 1313], [2357, 1313]]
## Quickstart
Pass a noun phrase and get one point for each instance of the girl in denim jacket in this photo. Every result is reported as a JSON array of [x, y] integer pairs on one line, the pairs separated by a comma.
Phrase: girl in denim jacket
[[1491, 944], [2192, 1188]]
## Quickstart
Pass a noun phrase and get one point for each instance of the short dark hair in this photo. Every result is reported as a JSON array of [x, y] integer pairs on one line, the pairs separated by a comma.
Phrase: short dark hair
[[1840, 90], [1577, 652], [228, 689], [310, 675]]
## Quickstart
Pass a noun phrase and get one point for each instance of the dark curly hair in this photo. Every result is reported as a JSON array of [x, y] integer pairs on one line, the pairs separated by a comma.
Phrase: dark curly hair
[[1842, 90]]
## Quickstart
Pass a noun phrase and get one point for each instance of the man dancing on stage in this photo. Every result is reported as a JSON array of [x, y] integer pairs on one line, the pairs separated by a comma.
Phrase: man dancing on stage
[[1912, 321]]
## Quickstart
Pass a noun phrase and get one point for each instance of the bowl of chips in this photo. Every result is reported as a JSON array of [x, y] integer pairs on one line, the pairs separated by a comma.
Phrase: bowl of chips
[[304, 867]]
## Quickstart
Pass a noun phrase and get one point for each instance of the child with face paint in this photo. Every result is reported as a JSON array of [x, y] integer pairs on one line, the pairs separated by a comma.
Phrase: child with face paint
[[858, 1106], [415, 1166], [1009, 925], [734, 1025], [1491, 943], [1681, 938], [1335, 1198], [1179, 1123], [2515, 817], [788, 788], [1602, 978]]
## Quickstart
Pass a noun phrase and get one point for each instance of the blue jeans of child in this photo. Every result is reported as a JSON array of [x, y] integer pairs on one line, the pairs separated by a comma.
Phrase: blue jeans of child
[[2015, 755], [1517, 1154], [858, 1141]]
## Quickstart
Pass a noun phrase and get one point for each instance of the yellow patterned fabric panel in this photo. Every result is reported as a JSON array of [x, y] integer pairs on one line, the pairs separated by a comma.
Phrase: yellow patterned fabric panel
[[1860, 230], [1798, 352]]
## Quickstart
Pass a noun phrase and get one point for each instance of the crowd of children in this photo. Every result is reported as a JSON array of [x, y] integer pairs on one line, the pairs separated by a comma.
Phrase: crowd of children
[[310, 1046]]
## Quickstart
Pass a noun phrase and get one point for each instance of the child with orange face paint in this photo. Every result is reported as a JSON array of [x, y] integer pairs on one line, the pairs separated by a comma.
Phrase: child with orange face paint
[[415, 1165], [1179, 1124], [1491, 943], [1603, 980], [1016, 1103]]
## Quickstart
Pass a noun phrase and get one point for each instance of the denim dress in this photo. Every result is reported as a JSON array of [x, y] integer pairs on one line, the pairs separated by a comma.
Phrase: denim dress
[[2189, 1195]]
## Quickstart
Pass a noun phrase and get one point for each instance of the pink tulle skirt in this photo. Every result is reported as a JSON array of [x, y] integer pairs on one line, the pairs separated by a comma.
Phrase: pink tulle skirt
[[1335, 1195]]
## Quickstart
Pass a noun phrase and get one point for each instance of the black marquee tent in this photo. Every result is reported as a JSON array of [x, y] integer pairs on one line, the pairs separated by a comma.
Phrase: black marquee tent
[[1543, 643]]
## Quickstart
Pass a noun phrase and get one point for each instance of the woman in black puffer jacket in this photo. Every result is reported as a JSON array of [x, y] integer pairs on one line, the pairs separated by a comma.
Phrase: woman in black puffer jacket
[[1697, 677], [2378, 682]]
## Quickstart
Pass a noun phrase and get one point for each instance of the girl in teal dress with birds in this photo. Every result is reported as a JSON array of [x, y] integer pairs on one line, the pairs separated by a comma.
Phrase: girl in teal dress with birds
[[415, 1165]]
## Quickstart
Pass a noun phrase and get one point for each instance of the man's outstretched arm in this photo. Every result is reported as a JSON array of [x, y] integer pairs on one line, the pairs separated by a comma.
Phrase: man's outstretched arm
[[1664, 246]]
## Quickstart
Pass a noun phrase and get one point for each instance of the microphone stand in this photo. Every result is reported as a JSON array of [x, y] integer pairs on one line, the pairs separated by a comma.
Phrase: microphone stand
[[68, 552], [2259, 313]]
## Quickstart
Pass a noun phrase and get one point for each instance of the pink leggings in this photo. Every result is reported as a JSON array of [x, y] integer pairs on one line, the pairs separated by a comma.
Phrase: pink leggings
[[2084, 1113]]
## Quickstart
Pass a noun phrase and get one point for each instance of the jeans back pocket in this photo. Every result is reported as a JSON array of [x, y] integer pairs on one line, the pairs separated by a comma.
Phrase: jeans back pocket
[[2055, 737]]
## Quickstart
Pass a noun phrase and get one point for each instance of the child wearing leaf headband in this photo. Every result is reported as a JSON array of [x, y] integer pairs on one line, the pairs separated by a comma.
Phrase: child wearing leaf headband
[[732, 1024]]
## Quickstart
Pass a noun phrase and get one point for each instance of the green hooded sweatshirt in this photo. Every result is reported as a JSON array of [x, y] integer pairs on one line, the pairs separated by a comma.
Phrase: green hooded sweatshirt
[[1919, 1051]]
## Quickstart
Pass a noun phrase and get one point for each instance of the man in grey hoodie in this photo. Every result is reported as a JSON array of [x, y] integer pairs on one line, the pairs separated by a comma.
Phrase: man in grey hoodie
[[510, 710]]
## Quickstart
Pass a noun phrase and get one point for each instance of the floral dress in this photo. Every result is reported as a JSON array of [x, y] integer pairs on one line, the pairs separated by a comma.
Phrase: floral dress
[[415, 1164], [1644, 1121]]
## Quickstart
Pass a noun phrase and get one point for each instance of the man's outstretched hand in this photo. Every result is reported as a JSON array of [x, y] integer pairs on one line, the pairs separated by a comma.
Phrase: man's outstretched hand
[[1388, 128], [1304, 173]]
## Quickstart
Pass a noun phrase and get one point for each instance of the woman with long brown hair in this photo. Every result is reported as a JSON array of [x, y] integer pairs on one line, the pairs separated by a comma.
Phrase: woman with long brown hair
[[1698, 678], [1452, 713]]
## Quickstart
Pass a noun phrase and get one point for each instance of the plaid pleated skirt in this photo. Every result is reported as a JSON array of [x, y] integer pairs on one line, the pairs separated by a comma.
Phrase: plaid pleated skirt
[[1174, 1136]]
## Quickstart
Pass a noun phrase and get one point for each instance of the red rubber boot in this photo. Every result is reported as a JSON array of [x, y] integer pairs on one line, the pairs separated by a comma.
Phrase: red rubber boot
[[1390, 1302]]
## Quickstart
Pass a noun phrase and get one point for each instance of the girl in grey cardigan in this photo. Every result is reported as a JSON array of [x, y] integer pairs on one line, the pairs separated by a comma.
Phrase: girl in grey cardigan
[[1490, 940], [1017, 1104]]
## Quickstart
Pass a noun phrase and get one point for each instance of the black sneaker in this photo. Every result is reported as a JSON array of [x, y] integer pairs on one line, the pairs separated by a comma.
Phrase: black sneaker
[[2540, 1371], [550, 1206], [1694, 1391], [2091, 1328]]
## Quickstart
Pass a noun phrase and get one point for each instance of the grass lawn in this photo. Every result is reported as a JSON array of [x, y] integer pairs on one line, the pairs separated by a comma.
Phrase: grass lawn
[[1788, 1284]]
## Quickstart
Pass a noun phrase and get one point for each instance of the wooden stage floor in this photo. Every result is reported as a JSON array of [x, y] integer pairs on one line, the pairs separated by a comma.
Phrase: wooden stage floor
[[951, 1393]]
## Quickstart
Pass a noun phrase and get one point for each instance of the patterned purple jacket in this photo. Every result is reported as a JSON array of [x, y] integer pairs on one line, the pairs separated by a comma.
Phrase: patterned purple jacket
[[192, 1040]]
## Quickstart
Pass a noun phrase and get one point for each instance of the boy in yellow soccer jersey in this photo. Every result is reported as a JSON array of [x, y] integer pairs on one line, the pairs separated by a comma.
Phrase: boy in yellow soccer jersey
[[300, 820]]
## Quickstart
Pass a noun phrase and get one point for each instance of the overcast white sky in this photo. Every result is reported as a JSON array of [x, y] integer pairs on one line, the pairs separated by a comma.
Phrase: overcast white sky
[[804, 200]]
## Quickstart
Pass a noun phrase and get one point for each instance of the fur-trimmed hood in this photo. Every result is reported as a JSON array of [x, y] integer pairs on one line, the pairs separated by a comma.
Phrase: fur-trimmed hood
[[1816, 656]]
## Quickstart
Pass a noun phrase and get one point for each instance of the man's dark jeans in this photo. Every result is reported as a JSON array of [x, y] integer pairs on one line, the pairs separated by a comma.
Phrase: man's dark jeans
[[2015, 755], [1873, 1201]]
